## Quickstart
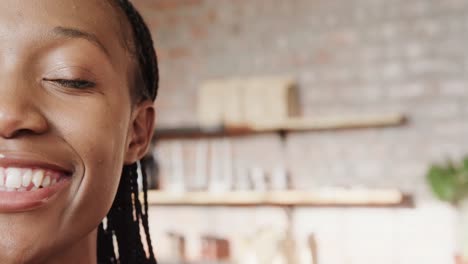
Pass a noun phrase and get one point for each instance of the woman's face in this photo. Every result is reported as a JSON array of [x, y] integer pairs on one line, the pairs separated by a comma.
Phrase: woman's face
[[66, 123]]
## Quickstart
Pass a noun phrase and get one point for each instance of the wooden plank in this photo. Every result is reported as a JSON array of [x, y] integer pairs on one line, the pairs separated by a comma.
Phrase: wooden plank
[[333, 123], [289, 125], [361, 198]]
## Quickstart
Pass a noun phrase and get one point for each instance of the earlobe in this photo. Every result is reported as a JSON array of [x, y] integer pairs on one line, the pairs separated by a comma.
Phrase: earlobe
[[141, 131]]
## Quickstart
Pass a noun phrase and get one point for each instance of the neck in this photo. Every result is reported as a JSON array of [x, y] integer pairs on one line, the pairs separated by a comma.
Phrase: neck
[[84, 251]]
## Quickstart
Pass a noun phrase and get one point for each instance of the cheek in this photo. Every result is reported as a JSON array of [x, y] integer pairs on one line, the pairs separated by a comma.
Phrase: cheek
[[96, 130]]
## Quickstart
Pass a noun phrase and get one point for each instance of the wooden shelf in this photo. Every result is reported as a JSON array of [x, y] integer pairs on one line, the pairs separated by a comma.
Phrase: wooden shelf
[[198, 262], [332, 198], [290, 125]]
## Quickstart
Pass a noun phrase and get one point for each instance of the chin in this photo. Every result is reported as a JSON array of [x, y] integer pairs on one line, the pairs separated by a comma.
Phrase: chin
[[26, 242], [14, 251]]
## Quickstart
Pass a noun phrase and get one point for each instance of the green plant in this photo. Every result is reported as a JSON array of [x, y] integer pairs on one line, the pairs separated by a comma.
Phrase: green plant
[[449, 182]]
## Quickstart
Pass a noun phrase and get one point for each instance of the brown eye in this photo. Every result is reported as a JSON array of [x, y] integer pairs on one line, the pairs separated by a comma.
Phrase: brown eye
[[73, 83]]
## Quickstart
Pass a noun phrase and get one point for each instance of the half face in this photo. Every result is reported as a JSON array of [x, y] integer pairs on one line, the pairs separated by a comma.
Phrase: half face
[[66, 123]]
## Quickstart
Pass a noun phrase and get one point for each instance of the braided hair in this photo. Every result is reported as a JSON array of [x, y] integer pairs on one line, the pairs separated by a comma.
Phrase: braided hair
[[123, 236]]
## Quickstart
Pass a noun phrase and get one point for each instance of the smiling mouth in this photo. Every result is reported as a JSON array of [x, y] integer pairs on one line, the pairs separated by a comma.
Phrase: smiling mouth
[[29, 181], [23, 189], [16, 179]]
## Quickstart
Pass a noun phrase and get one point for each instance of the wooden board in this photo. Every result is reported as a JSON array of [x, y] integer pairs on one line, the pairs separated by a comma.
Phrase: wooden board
[[290, 125], [359, 198], [332, 123]]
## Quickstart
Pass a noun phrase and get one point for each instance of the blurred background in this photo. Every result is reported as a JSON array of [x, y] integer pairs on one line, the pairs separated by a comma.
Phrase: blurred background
[[303, 131]]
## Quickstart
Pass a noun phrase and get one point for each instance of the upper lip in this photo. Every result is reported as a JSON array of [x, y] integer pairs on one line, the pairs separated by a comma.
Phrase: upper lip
[[32, 160]]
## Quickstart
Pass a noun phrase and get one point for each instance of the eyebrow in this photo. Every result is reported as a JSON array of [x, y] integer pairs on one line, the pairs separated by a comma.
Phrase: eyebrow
[[79, 34]]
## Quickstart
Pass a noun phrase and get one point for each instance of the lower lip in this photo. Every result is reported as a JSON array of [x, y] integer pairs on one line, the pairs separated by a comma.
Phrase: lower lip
[[20, 201]]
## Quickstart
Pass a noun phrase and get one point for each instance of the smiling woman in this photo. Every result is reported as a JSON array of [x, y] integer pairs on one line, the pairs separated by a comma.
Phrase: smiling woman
[[78, 81]]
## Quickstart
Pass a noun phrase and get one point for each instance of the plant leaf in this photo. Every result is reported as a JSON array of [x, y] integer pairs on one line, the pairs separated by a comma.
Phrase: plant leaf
[[443, 182], [465, 163]]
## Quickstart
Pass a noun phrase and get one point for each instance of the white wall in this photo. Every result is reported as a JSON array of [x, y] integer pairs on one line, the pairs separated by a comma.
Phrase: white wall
[[421, 235]]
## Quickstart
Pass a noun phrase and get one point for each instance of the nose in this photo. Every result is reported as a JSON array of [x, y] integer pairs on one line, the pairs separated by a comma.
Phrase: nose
[[19, 115]]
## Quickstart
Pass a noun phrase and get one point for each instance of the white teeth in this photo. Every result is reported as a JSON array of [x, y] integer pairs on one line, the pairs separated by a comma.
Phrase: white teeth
[[13, 178], [27, 177], [46, 181], [37, 178], [23, 179], [2, 177]]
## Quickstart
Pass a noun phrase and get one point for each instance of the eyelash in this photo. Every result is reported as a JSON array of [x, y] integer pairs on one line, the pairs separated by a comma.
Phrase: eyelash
[[73, 83]]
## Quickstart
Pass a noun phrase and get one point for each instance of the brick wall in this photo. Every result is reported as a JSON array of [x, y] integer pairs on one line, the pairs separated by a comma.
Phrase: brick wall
[[356, 56], [349, 56]]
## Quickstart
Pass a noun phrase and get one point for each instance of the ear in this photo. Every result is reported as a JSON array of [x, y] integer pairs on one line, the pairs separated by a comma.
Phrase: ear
[[140, 132]]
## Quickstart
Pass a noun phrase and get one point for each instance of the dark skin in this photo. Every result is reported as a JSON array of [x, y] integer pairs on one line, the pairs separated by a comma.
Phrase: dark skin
[[66, 78]]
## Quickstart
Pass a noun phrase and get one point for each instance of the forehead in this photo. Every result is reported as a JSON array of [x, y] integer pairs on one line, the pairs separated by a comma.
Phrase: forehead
[[92, 13], [24, 19]]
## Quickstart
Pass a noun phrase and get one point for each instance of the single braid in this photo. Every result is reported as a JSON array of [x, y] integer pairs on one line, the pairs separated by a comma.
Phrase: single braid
[[145, 214], [121, 228], [144, 50]]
